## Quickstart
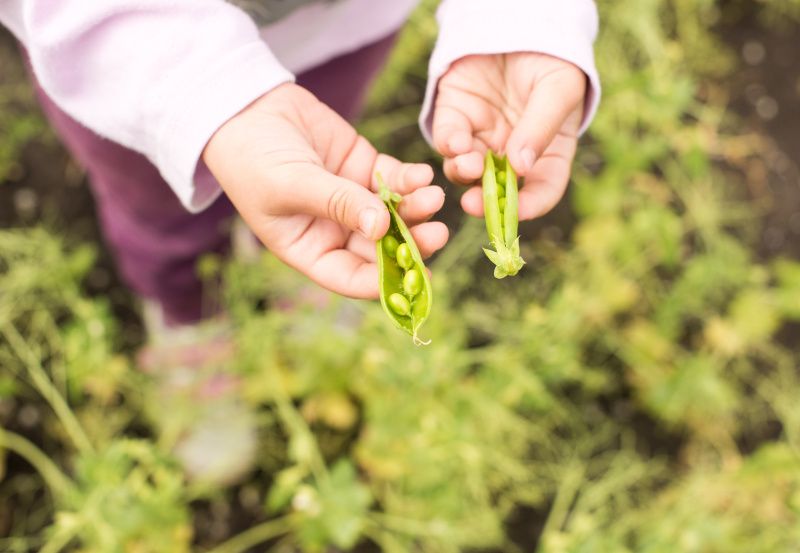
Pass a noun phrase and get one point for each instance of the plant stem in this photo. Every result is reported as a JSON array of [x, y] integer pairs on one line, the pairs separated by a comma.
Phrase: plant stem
[[58, 483], [565, 496], [411, 527], [47, 389], [20, 543], [295, 425], [254, 536], [59, 540]]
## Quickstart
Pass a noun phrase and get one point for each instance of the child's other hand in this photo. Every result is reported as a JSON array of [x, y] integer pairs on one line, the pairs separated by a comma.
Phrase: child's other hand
[[301, 177], [527, 105]]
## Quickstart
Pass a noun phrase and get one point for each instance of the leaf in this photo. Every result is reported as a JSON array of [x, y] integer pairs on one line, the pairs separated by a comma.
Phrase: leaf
[[345, 502], [284, 488], [341, 503], [493, 256], [754, 316]]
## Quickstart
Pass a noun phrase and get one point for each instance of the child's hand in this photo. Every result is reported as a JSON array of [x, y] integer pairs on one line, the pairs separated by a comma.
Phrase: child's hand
[[300, 176], [527, 105]]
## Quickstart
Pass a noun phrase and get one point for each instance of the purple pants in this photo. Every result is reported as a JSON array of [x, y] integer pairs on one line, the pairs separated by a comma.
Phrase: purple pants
[[156, 243]]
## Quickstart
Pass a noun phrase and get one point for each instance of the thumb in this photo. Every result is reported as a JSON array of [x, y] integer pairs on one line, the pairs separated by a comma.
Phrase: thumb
[[318, 192], [550, 104]]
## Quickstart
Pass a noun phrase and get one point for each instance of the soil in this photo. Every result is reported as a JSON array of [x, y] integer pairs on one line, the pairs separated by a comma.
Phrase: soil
[[765, 94]]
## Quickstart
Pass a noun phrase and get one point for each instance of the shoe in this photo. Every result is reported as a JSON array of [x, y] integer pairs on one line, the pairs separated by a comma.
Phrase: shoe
[[196, 403]]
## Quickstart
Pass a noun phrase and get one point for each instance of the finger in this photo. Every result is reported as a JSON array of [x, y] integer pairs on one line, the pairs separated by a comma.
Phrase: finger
[[415, 208], [545, 187], [357, 163], [362, 247], [421, 204], [451, 172], [542, 189], [552, 101], [472, 201], [344, 272], [362, 162], [464, 169], [315, 191], [452, 131], [402, 178], [430, 237], [540, 194]]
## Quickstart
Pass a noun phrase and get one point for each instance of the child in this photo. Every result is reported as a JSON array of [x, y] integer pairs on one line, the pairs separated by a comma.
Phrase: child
[[171, 103]]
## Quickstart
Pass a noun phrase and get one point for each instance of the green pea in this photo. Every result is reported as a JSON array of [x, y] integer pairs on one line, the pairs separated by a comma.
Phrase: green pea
[[502, 203], [390, 245], [412, 282], [501, 177], [399, 304], [404, 258]]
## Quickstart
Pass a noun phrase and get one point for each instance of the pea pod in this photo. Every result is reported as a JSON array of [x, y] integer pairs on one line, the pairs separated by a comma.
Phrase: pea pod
[[405, 289], [501, 210]]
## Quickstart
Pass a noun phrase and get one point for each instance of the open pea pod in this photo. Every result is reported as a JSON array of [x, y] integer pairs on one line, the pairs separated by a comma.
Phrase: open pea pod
[[405, 288], [501, 210]]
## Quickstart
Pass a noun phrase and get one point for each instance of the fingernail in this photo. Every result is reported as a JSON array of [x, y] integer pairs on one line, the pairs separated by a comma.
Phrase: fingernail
[[366, 222], [528, 159]]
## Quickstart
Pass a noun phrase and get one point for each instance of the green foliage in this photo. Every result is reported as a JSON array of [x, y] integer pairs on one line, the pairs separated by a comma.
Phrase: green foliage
[[128, 497], [626, 393]]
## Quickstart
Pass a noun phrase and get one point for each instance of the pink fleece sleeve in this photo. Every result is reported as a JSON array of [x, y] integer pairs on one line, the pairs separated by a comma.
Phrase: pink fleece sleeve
[[564, 29], [158, 76]]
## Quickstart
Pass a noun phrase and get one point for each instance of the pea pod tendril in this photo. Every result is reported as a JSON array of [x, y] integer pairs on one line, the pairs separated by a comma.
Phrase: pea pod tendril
[[501, 210], [405, 288]]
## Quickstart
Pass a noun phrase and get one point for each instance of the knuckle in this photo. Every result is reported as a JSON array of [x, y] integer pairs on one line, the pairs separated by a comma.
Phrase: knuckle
[[401, 173], [578, 93], [338, 204]]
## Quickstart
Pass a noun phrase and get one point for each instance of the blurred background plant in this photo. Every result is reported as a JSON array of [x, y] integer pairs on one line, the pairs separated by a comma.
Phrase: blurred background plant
[[635, 389]]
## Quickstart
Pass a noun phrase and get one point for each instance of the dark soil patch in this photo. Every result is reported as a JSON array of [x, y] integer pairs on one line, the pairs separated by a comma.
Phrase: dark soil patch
[[765, 93]]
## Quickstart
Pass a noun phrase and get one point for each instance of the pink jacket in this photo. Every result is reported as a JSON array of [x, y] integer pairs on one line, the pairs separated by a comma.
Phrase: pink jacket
[[161, 76]]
